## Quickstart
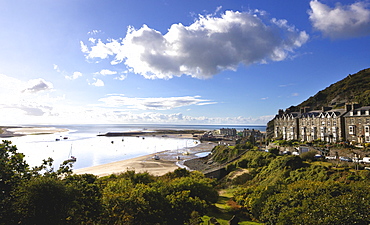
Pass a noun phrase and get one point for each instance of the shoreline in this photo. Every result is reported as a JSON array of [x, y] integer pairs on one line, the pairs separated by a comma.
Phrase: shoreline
[[10, 131], [167, 162]]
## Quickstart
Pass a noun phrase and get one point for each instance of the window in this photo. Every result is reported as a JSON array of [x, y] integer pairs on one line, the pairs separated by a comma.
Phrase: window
[[351, 130], [367, 129], [334, 123]]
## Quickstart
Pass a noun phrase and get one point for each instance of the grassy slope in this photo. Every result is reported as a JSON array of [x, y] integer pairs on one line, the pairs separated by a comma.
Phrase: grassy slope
[[222, 211]]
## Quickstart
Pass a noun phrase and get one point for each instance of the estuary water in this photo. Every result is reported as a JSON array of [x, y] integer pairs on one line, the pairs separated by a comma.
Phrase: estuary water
[[83, 142]]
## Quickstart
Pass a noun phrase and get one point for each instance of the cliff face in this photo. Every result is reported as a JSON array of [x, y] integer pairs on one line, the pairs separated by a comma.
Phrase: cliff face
[[353, 88]]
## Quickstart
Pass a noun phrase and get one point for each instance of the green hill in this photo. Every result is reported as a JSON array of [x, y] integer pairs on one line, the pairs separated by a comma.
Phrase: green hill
[[353, 88]]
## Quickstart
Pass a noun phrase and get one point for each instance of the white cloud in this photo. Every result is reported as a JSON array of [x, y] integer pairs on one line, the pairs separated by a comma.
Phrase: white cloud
[[25, 98], [38, 85], [153, 103], [40, 107], [97, 83], [105, 72], [206, 47], [74, 76], [101, 50], [342, 21], [56, 68], [93, 32], [121, 77]]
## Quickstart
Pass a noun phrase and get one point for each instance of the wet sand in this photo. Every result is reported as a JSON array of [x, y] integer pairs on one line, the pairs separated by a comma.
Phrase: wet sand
[[167, 162]]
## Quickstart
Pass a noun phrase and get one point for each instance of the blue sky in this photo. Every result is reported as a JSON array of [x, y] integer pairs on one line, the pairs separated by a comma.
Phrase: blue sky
[[178, 62]]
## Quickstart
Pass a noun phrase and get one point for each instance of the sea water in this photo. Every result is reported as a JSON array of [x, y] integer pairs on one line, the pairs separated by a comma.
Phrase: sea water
[[83, 142]]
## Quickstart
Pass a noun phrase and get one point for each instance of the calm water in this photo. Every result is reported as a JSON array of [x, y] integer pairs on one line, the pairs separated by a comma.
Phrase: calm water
[[92, 150]]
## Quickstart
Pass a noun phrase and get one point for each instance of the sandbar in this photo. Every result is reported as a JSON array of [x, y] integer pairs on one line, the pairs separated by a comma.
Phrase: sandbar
[[20, 131]]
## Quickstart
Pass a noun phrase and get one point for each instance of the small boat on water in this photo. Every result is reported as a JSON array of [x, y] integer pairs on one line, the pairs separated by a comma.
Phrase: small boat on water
[[71, 158]]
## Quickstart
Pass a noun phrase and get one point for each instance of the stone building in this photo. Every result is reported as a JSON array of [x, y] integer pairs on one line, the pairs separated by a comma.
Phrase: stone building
[[257, 135], [357, 125], [326, 124], [286, 125], [231, 132]]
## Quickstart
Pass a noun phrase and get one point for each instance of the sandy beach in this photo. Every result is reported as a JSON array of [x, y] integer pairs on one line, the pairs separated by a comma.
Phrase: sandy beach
[[166, 163]]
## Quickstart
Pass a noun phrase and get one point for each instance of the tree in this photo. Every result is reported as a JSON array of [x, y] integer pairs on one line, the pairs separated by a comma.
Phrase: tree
[[86, 199], [42, 200], [13, 169]]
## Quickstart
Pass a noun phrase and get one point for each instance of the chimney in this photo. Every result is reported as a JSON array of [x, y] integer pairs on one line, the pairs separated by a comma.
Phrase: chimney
[[355, 105], [326, 108], [280, 112], [348, 107]]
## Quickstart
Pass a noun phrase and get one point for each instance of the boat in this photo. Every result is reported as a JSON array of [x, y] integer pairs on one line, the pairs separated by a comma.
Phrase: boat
[[71, 158]]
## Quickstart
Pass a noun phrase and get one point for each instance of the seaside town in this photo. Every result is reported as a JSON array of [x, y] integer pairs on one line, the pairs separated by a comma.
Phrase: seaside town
[[185, 112]]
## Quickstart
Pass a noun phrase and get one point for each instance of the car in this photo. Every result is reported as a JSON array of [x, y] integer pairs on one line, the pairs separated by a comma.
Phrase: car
[[346, 159]]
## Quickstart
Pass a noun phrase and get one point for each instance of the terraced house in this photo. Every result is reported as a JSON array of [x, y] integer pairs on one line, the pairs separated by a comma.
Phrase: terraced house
[[331, 125], [357, 125], [286, 125]]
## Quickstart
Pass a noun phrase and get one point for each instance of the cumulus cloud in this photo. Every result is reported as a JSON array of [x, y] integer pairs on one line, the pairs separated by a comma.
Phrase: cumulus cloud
[[25, 98], [38, 85], [342, 21], [154, 103], [208, 46], [74, 76], [97, 83]]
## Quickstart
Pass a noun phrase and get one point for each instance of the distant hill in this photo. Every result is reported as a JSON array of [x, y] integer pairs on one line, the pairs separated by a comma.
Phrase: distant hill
[[353, 88]]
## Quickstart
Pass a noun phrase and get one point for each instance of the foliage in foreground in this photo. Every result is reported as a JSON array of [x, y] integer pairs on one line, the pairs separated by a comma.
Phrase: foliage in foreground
[[287, 190], [43, 196]]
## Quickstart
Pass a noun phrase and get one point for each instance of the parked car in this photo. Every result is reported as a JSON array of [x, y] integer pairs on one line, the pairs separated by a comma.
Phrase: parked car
[[366, 160], [346, 159]]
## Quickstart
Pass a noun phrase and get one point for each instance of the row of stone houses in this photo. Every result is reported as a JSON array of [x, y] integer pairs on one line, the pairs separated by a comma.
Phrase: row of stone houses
[[352, 123]]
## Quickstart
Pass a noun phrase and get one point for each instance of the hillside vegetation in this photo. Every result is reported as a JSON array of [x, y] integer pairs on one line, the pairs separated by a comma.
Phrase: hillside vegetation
[[353, 88], [286, 189]]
